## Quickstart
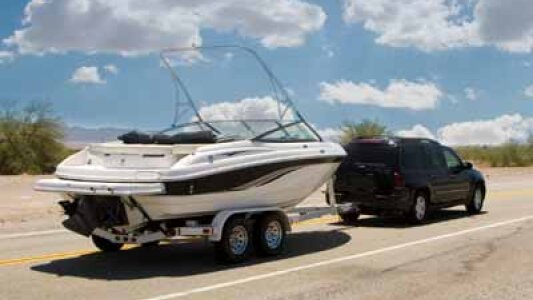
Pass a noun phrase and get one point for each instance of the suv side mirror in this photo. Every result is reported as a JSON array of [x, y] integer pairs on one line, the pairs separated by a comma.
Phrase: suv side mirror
[[468, 165]]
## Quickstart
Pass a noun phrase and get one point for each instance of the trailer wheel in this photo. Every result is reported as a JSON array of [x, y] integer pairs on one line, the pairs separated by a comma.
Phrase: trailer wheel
[[235, 244], [270, 234], [105, 245]]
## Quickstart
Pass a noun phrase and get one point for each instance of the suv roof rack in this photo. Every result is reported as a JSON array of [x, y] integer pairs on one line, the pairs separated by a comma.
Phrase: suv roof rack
[[375, 137], [395, 138]]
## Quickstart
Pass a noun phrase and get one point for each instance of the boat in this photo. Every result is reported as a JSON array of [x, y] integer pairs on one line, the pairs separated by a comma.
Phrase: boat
[[195, 168]]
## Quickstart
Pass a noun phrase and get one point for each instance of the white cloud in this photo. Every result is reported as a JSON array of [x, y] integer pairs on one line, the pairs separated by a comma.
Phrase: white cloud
[[398, 94], [425, 24], [418, 130], [487, 132], [290, 91], [529, 91], [443, 24], [247, 108], [228, 55], [453, 99], [507, 24], [86, 74], [330, 134], [111, 69], [471, 93], [131, 27], [6, 56], [328, 50]]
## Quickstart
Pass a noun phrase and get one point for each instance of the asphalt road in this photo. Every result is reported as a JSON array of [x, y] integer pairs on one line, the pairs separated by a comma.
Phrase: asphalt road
[[454, 256]]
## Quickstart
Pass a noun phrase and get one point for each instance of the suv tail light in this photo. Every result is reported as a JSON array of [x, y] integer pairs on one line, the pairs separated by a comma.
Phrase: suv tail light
[[398, 180]]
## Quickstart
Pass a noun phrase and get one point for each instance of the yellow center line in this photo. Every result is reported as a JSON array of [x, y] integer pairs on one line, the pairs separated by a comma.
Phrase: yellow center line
[[323, 220], [318, 221], [21, 260], [16, 261], [30, 259]]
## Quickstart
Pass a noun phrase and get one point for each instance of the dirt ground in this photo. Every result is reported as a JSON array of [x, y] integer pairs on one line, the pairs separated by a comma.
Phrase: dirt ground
[[22, 208]]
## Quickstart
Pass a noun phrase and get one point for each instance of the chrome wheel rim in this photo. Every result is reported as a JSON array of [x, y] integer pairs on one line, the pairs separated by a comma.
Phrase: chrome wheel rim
[[478, 199], [420, 207], [273, 234], [238, 240]]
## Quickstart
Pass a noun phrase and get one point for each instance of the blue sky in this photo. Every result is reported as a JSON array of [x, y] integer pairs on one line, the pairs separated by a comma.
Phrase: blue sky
[[464, 70]]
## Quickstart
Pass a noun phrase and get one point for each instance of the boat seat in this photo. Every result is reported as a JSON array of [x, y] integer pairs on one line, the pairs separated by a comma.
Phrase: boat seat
[[136, 137], [195, 137]]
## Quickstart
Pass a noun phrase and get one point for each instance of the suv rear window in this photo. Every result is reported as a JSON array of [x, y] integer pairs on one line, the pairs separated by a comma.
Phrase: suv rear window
[[375, 153]]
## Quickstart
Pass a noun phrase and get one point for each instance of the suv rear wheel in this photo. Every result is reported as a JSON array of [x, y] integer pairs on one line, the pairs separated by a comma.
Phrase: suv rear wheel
[[419, 210], [350, 217]]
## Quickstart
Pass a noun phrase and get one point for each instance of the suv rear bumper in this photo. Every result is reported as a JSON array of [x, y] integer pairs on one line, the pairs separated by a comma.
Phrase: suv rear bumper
[[397, 201]]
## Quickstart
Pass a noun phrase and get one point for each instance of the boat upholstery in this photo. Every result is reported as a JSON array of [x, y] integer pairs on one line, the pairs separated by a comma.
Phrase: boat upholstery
[[195, 137]]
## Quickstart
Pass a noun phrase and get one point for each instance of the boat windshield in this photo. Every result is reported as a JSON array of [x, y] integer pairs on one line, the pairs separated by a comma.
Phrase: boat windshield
[[263, 111], [259, 130]]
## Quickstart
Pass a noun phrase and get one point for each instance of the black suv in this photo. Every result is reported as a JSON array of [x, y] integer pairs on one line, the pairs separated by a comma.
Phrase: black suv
[[405, 175]]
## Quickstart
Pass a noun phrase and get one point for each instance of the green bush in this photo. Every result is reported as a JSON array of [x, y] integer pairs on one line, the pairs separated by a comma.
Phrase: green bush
[[30, 139]]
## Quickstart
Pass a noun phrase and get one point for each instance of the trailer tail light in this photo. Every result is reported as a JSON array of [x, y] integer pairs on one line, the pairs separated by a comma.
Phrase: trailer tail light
[[398, 180]]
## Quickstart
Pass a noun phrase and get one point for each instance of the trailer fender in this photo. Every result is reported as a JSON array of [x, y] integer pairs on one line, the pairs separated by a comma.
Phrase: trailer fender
[[222, 217]]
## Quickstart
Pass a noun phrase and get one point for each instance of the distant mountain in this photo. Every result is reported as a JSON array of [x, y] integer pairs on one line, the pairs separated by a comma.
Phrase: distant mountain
[[78, 137]]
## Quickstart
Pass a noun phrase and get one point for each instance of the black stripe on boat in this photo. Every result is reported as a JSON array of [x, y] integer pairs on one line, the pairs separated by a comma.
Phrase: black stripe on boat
[[241, 179], [266, 179]]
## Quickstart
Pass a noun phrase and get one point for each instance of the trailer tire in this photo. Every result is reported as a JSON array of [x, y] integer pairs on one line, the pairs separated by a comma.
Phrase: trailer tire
[[105, 245], [270, 234], [235, 243]]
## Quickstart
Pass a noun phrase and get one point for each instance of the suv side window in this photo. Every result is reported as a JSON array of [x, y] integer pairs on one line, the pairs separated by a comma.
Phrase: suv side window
[[435, 159], [452, 161], [412, 157]]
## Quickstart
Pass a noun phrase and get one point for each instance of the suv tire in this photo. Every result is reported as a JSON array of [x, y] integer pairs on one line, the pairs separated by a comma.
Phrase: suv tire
[[419, 209], [475, 205], [350, 217]]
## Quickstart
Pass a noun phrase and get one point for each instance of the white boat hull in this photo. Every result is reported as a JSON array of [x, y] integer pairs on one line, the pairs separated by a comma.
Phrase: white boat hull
[[286, 192], [190, 181]]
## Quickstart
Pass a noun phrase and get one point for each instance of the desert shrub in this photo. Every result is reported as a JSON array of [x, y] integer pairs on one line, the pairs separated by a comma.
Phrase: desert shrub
[[30, 139], [506, 155], [350, 130]]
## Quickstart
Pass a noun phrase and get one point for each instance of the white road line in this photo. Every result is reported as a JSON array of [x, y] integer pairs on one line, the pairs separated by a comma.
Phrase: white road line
[[31, 233], [335, 260]]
